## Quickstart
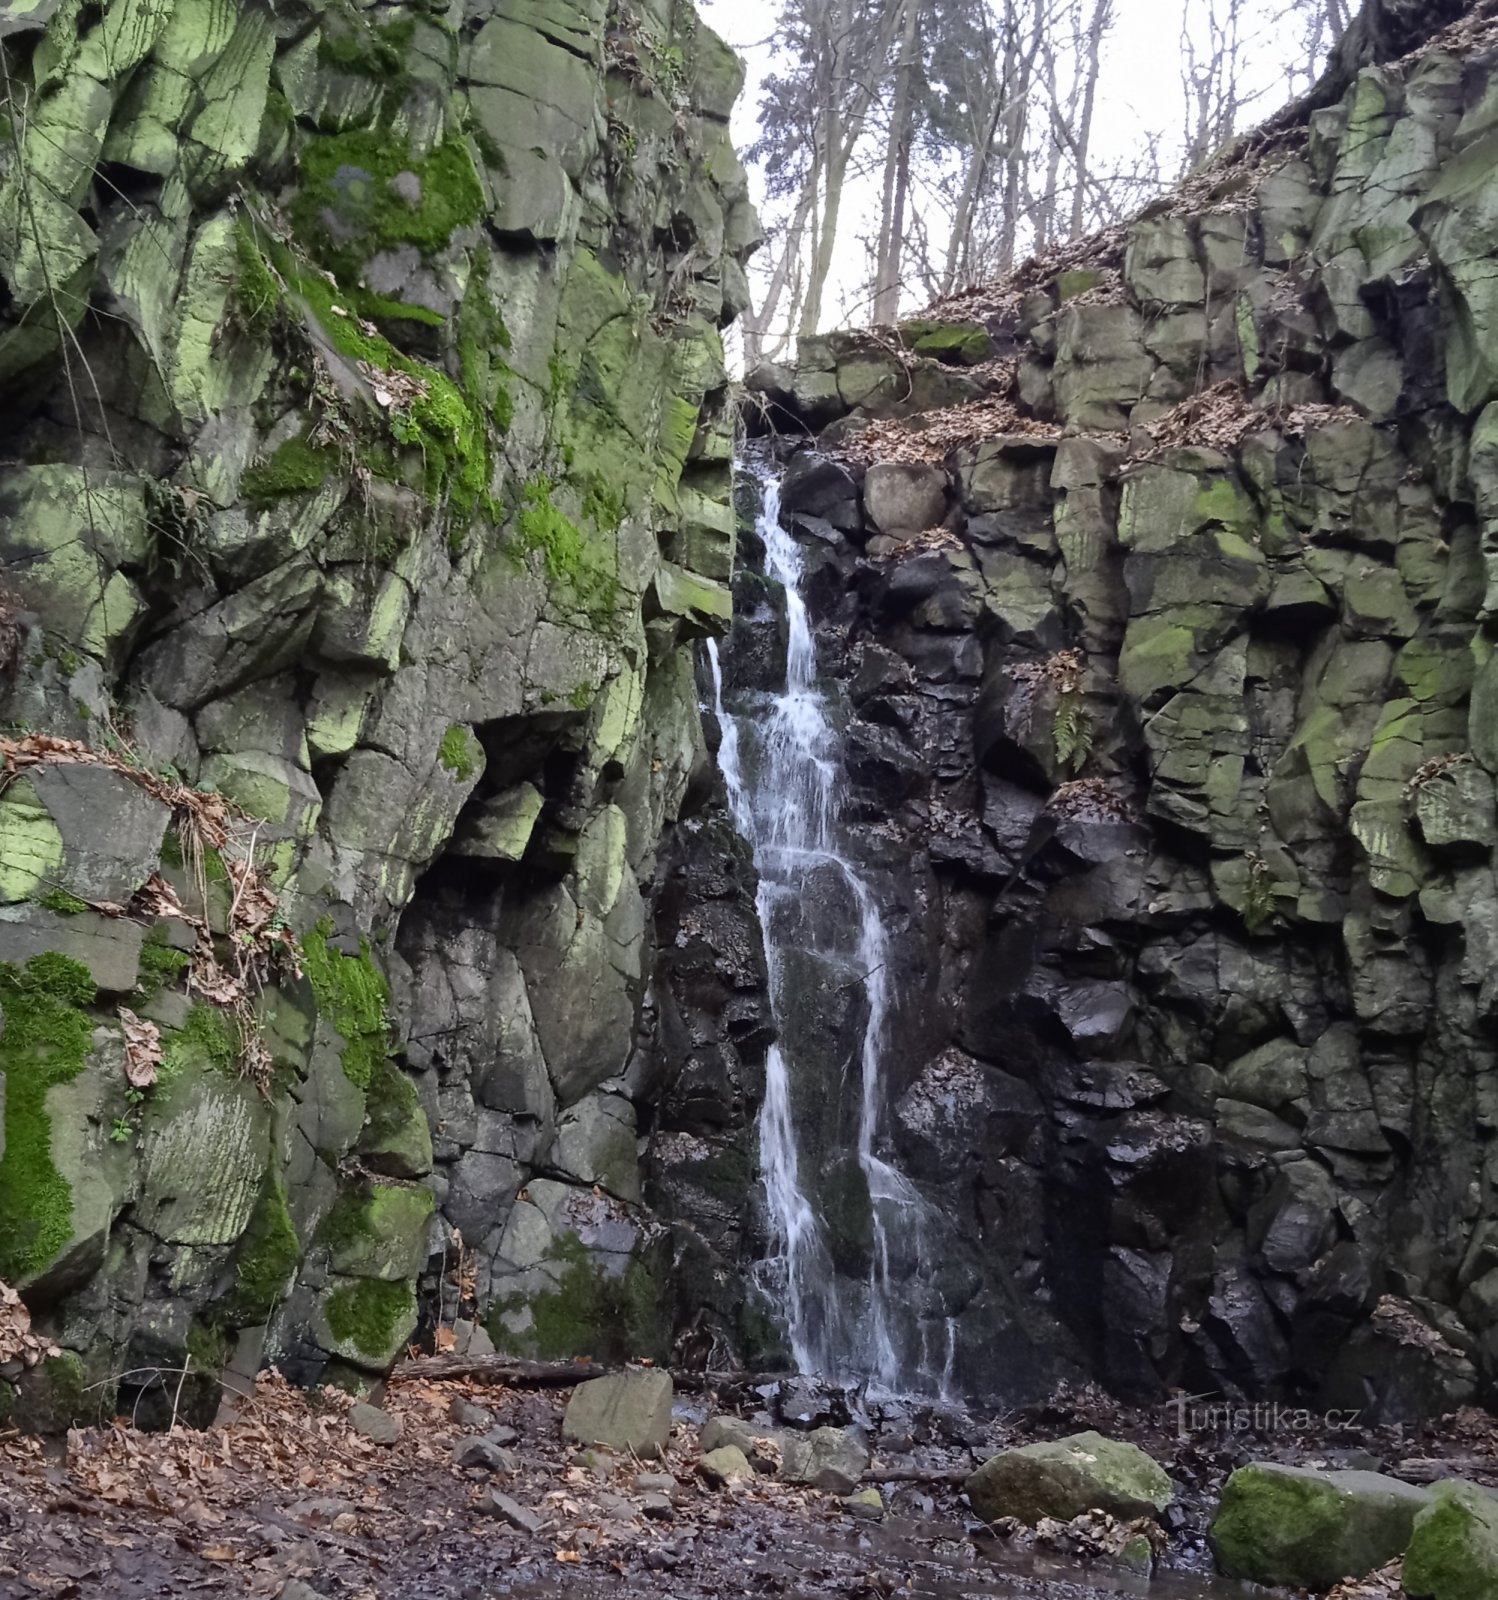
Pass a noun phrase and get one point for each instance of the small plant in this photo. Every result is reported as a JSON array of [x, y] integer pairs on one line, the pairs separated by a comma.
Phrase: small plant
[[1258, 894], [122, 1132]]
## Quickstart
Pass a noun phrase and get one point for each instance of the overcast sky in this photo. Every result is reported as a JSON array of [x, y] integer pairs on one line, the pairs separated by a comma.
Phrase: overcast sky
[[1140, 94]]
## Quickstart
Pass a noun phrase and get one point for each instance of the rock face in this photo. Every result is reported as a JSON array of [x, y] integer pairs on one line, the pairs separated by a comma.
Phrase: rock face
[[1171, 751], [1307, 1529], [364, 501], [1063, 1478]]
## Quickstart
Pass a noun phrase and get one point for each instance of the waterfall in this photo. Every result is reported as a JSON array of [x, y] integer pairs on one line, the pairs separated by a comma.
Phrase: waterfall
[[785, 802]]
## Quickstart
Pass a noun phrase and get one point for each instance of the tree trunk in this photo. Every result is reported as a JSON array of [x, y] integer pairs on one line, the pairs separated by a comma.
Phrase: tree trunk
[[1102, 15], [886, 307]]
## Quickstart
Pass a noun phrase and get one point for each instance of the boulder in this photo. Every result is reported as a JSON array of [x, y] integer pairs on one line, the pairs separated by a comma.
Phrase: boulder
[[627, 1411], [723, 1465], [904, 498], [1065, 1477], [1308, 1529], [1453, 1552], [834, 1459]]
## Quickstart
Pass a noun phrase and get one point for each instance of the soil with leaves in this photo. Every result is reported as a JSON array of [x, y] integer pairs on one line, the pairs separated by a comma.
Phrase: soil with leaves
[[285, 1496]]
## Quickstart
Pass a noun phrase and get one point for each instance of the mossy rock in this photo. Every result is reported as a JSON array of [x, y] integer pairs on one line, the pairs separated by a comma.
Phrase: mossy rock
[[48, 1030], [378, 1232], [1453, 1552], [1306, 1529], [56, 1395], [957, 343], [267, 1256], [367, 1321], [1066, 1477]]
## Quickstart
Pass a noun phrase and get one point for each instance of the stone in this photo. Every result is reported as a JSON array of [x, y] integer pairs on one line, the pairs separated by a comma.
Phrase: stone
[[903, 499], [657, 1507], [1308, 1529], [377, 1426], [657, 1483], [486, 1452], [625, 1411], [467, 1414], [1066, 1477], [1453, 1550], [834, 1459], [865, 1506], [510, 1512], [721, 1467]]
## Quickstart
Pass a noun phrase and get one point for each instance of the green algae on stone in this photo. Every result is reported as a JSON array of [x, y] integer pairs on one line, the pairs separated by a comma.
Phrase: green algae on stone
[[352, 994], [349, 206], [207, 1038], [46, 1041], [296, 467], [63, 903], [1453, 1552], [581, 572], [368, 1314], [378, 1231], [265, 1258], [459, 753], [589, 1312]]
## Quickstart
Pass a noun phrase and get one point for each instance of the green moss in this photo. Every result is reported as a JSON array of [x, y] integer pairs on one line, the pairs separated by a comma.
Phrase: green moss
[[208, 1038], [257, 293], [380, 53], [1453, 1552], [63, 903], [588, 1313], [297, 467], [457, 754], [46, 1041], [581, 573], [438, 423], [952, 342], [161, 965], [352, 994], [171, 850], [267, 1255], [208, 1347], [349, 176], [392, 1104], [366, 1314]]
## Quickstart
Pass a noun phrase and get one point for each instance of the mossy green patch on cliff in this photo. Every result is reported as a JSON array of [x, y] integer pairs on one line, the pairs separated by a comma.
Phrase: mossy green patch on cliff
[[267, 1255], [367, 1313], [45, 1042], [436, 419], [588, 1313], [208, 1038], [257, 293], [296, 467], [63, 903], [350, 205], [160, 966], [458, 753], [352, 994], [583, 573]]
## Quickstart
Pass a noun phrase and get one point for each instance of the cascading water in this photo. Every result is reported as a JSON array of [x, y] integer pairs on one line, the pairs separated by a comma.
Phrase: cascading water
[[825, 937]]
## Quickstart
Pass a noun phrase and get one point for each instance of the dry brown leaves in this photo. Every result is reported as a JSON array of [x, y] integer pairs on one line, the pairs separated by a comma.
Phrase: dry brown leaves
[[1064, 669], [1384, 1584], [142, 1049], [929, 438], [204, 821], [1089, 800], [1399, 1320], [17, 1341], [1222, 417]]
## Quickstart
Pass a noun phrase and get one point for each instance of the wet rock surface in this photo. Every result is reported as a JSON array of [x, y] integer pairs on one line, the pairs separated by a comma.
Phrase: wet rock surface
[[1169, 762]]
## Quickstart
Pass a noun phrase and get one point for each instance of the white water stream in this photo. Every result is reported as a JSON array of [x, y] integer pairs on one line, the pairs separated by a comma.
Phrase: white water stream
[[787, 808]]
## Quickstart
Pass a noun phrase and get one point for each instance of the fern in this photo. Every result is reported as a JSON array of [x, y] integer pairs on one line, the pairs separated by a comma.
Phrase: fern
[[1071, 732]]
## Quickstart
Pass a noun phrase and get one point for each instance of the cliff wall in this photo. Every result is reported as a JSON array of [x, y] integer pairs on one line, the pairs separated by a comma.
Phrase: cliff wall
[[363, 497], [1160, 581]]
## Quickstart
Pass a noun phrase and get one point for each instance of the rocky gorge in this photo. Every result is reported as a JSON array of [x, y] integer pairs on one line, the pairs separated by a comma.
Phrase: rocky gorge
[[389, 952]]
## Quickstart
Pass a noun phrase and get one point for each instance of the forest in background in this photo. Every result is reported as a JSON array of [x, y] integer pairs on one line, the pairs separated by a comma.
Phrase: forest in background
[[906, 149]]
